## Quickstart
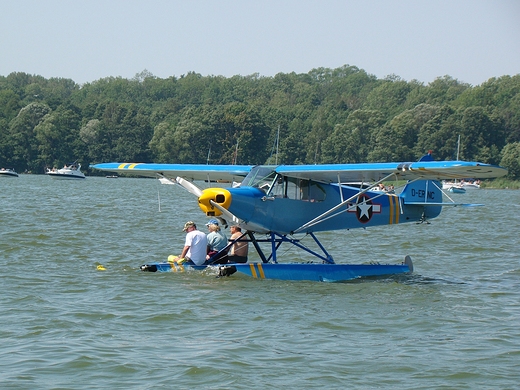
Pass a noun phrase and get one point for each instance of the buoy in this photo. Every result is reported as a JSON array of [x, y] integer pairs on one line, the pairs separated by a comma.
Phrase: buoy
[[101, 268]]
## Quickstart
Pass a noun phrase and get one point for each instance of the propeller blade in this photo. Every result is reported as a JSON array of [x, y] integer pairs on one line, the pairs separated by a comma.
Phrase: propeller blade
[[189, 186]]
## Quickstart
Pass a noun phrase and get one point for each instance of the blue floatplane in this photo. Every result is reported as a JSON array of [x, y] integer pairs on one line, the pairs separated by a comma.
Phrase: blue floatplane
[[283, 201]]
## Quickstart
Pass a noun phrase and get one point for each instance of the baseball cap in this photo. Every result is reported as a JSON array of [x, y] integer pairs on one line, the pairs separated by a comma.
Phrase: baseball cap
[[187, 225], [212, 222]]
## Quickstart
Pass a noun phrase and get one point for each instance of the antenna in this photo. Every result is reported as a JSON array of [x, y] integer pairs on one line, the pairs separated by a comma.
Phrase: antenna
[[236, 155], [277, 144]]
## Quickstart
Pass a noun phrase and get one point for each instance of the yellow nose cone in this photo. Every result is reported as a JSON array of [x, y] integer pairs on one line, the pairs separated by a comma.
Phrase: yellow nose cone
[[221, 196]]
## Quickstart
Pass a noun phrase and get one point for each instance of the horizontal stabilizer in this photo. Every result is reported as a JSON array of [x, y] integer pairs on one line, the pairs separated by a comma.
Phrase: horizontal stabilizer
[[443, 204]]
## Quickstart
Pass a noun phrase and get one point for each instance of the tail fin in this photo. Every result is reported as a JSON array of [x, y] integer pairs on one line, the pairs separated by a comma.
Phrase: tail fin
[[427, 157], [424, 194]]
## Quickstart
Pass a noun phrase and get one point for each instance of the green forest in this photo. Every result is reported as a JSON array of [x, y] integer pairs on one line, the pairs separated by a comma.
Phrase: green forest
[[341, 115]]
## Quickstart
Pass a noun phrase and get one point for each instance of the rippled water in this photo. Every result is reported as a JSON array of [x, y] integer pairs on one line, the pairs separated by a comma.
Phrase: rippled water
[[454, 323]]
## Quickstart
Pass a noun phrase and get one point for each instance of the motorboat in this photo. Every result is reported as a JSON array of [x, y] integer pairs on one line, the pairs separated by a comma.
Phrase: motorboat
[[7, 172], [457, 189], [470, 185], [460, 186], [454, 186], [68, 172]]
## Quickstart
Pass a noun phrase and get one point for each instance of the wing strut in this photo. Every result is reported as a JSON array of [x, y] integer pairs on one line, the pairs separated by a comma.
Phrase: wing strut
[[189, 186]]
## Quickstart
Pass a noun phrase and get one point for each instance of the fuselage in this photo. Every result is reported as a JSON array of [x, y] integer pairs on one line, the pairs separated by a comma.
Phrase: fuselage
[[285, 205]]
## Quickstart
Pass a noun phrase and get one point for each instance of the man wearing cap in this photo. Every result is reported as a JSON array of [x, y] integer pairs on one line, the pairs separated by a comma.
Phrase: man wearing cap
[[196, 244]]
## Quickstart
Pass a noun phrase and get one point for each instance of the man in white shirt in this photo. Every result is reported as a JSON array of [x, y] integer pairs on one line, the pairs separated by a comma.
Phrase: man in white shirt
[[195, 246]]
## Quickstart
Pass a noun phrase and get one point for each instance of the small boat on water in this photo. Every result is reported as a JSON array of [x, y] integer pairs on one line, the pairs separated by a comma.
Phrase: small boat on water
[[460, 187], [7, 172], [456, 188], [470, 185], [68, 172]]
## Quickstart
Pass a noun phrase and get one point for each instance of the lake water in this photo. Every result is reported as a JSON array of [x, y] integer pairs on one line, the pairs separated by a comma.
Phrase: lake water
[[453, 324]]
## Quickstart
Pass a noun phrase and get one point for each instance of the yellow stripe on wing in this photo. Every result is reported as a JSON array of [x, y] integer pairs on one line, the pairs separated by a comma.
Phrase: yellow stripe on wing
[[127, 165]]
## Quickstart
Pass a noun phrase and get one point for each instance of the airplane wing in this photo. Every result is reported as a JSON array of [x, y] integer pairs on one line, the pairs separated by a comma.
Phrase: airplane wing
[[329, 173], [186, 171], [371, 172]]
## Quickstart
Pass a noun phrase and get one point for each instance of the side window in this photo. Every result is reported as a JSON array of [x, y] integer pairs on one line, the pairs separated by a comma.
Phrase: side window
[[316, 192], [293, 189], [306, 190], [311, 191], [278, 188]]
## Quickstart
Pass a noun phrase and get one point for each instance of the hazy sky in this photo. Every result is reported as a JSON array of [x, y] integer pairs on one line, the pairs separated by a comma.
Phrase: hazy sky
[[85, 40]]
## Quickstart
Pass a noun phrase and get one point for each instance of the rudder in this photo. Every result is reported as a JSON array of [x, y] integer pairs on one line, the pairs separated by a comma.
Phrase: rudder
[[426, 194]]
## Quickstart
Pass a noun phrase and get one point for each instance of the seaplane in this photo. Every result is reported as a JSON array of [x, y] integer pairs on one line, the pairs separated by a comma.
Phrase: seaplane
[[276, 204]]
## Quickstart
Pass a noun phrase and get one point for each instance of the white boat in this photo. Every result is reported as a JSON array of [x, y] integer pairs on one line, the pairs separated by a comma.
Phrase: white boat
[[68, 172], [460, 186], [7, 172], [456, 188], [470, 185]]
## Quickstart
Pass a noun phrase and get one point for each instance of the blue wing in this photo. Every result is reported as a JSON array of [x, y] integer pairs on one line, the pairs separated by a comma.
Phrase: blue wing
[[187, 171], [369, 172], [331, 173]]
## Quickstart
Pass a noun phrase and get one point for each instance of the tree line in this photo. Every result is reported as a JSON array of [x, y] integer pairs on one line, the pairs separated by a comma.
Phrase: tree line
[[341, 115]]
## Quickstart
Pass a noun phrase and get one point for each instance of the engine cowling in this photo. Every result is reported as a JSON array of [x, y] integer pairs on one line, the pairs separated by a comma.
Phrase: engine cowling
[[220, 196]]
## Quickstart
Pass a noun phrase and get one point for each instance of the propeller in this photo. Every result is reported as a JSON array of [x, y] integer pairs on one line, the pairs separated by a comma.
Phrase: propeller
[[189, 186]]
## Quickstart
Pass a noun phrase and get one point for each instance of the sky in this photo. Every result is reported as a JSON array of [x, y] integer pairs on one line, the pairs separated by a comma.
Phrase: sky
[[87, 40]]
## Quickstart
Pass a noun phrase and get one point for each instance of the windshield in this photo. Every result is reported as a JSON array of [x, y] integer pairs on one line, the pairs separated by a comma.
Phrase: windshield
[[260, 177], [278, 186]]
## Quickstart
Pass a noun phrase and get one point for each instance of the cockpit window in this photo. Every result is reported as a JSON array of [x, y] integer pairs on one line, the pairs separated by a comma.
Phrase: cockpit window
[[306, 190], [260, 177], [278, 186]]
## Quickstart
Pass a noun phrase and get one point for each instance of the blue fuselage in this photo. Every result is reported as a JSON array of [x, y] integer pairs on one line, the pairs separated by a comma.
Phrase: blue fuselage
[[285, 214]]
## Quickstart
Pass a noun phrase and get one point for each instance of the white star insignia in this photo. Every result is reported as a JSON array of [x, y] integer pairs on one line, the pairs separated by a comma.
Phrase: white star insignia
[[364, 209]]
